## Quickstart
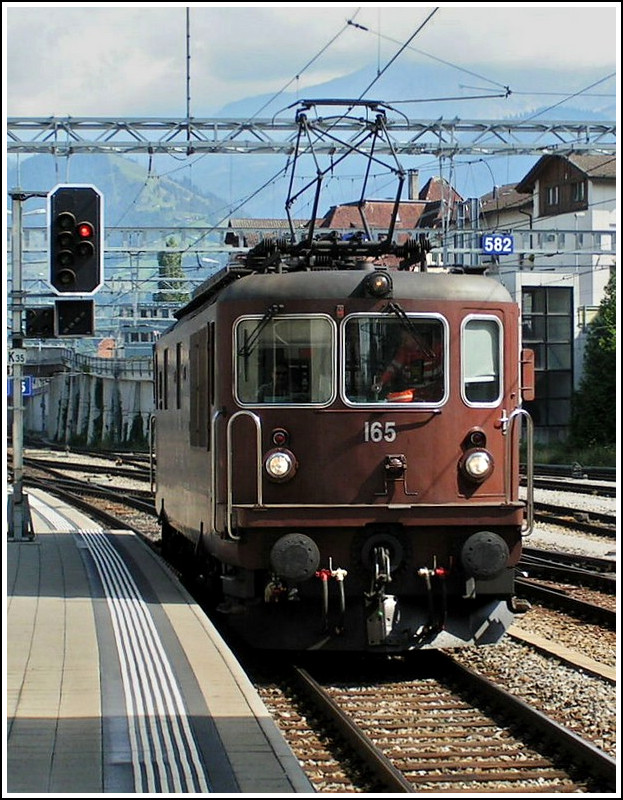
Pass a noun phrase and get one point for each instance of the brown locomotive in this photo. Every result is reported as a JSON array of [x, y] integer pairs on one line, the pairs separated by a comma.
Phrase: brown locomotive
[[338, 448]]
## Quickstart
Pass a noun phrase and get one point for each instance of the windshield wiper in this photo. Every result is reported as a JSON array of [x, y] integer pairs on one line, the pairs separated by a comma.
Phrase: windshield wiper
[[251, 340], [411, 328]]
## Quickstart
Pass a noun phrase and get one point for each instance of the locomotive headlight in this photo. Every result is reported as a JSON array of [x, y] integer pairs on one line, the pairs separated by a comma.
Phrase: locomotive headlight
[[280, 465], [477, 464], [378, 284]]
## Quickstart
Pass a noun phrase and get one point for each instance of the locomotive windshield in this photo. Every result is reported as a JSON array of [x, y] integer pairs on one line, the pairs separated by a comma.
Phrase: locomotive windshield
[[481, 342], [394, 360], [285, 360]]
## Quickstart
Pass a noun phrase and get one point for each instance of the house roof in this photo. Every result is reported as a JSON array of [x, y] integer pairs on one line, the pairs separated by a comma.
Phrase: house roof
[[594, 167], [378, 214], [504, 198], [433, 198], [252, 224], [437, 189]]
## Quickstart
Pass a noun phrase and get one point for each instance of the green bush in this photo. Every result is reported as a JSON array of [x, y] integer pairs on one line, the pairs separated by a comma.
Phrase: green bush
[[570, 453], [593, 410]]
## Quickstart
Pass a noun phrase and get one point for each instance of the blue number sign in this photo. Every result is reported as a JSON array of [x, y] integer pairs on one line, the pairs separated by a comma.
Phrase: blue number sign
[[497, 244], [27, 386]]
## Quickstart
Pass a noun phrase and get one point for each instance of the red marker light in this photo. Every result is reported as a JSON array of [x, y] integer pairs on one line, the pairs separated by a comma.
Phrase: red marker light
[[280, 437]]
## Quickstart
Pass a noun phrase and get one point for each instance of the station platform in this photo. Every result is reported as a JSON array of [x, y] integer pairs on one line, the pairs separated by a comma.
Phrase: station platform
[[116, 681]]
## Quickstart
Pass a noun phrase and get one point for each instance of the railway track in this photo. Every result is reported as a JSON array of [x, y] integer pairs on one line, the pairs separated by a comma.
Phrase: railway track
[[583, 587], [578, 486], [591, 522], [595, 573], [575, 472], [560, 598], [130, 471], [411, 732]]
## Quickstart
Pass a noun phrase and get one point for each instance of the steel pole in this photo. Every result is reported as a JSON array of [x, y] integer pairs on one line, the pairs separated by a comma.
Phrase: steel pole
[[19, 519]]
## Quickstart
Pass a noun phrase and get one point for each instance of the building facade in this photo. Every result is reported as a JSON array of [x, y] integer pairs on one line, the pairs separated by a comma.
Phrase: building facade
[[563, 213]]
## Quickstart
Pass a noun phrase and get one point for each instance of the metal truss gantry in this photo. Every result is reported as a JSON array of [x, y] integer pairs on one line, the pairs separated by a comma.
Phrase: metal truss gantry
[[65, 136]]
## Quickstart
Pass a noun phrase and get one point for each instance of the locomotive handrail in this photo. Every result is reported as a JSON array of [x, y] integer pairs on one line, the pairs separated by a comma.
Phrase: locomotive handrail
[[258, 444], [216, 414], [509, 425], [151, 426]]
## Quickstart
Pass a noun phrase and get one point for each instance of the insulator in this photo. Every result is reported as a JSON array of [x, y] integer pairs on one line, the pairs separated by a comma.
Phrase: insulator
[[322, 260], [410, 249], [425, 243]]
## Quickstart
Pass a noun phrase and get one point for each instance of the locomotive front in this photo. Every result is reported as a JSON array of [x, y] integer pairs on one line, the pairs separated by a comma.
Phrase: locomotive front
[[366, 460], [338, 441]]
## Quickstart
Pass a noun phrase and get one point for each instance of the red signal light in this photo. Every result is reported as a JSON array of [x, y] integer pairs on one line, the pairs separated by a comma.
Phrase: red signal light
[[85, 230]]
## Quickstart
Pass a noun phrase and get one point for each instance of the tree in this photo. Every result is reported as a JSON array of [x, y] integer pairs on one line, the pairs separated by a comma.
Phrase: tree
[[593, 420], [172, 288]]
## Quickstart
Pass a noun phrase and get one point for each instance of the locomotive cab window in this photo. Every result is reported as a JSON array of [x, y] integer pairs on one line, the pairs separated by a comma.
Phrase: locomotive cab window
[[285, 360], [392, 360], [481, 372]]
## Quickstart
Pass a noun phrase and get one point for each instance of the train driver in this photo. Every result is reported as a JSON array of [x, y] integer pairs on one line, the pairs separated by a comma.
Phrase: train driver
[[415, 372]]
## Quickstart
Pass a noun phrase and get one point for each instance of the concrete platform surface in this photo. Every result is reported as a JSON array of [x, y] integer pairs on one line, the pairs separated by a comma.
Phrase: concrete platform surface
[[116, 681]]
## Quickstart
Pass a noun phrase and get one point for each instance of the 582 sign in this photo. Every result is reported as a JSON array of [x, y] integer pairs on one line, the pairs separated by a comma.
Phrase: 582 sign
[[497, 244]]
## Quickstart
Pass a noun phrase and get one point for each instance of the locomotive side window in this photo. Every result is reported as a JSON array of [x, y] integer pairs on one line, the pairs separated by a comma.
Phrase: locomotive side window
[[481, 360], [166, 379], [285, 360], [390, 360], [199, 422], [178, 375]]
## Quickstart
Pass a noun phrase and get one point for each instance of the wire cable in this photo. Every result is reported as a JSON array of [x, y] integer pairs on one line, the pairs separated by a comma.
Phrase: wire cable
[[437, 58], [401, 50], [309, 63]]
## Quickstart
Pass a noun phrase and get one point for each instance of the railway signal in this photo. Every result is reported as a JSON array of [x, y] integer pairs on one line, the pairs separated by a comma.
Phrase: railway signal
[[75, 317], [40, 322], [75, 221]]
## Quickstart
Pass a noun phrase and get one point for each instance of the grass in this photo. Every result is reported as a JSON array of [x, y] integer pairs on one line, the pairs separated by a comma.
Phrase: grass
[[565, 453]]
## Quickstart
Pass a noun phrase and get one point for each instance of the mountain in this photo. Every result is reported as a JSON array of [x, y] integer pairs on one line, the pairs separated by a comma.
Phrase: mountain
[[133, 195], [426, 91]]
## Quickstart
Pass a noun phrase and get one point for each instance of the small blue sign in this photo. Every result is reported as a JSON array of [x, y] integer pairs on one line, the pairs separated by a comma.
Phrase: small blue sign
[[27, 386], [497, 244]]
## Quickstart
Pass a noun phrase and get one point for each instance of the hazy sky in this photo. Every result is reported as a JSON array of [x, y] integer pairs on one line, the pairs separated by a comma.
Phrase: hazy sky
[[130, 59]]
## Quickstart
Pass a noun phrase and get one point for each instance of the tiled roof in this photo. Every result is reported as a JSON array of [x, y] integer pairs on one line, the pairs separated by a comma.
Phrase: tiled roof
[[421, 213], [253, 224], [378, 214], [437, 189]]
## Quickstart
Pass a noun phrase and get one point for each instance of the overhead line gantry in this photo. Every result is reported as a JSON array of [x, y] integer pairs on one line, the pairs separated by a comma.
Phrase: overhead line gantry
[[65, 136]]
